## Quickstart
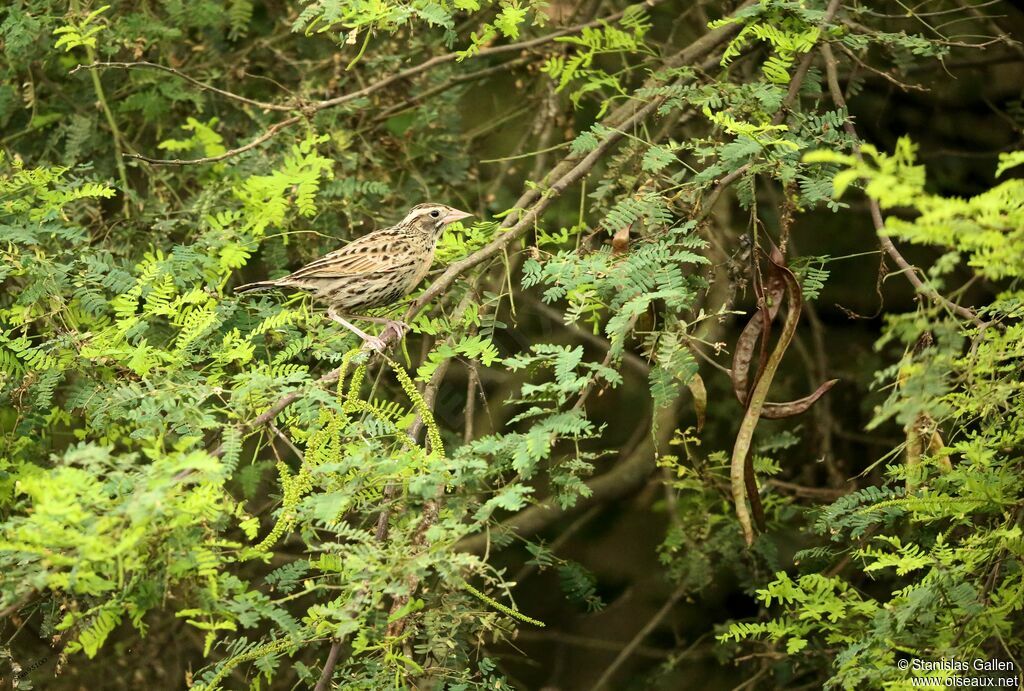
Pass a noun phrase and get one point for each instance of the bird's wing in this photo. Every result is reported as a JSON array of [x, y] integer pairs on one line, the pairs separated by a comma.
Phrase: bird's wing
[[368, 254]]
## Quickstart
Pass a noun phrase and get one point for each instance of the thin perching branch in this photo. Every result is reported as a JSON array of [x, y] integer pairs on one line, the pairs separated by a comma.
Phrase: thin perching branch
[[143, 65]]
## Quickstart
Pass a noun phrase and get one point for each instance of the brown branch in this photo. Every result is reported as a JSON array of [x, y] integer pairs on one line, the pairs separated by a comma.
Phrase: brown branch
[[823, 493], [472, 384], [472, 76], [181, 75], [906, 269], [647, 628], [267, 416], [588, 388], [708, 206], [965, 64], [324, 682], [269, 133], [797, 82], [919, 14], [270, 413], [595, 643]]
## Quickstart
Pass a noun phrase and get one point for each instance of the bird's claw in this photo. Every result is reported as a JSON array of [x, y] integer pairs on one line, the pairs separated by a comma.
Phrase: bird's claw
[[380, 343], [400, 328], [375, 344]]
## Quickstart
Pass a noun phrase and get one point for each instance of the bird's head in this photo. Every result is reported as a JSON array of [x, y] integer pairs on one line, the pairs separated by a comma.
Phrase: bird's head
[[431, 219]]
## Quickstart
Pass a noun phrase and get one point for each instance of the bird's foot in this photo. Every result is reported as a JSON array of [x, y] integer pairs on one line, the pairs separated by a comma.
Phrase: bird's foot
[[400, 328], [375, 344]]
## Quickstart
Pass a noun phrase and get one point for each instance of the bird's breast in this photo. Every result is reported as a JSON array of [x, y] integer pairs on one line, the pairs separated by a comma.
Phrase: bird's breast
[[420, 270]]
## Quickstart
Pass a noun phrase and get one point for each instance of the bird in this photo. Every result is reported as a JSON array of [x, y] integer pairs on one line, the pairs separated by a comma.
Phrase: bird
[[374, 270]]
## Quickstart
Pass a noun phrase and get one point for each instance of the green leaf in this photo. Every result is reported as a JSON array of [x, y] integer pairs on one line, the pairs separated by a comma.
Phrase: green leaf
[[509, 19], [656, 158]]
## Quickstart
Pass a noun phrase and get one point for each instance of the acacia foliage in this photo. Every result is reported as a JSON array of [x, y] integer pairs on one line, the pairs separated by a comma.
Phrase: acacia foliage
[[235, 472]]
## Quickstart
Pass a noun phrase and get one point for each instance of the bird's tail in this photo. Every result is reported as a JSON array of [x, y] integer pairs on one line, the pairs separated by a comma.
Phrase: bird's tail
[[258, 285]]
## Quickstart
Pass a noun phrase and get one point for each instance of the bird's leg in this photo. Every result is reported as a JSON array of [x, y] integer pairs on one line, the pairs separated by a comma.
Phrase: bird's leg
[[399, 327], [373, 342]]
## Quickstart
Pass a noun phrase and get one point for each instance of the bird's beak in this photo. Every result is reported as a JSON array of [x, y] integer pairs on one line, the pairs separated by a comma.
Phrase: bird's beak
[[455, 215]]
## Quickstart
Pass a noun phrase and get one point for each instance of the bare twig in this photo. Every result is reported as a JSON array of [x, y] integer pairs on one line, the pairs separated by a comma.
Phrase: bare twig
[[288, 442], [822, 493], [876, 211], [270, 413], [472, 384], [884, 75], [460, 79], [588, 388], [143, 65], [324, 682], [594, 643], [709, 204], [267, 134], [752, 681], [647, 628]]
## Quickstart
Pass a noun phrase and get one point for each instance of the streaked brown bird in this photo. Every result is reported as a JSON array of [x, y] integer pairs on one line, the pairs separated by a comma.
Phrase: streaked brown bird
[[375, 270]]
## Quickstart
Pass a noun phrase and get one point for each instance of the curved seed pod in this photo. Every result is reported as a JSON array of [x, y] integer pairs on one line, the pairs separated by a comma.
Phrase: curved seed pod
[[700, 399], [776, 411], [745, 344], [753, 495], [741, 476], [769, 299], [755, 328], [742, 480], [742, 354]]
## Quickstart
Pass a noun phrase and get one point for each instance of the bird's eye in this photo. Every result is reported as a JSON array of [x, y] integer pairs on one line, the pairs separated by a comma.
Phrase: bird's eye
[[435, 213]]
